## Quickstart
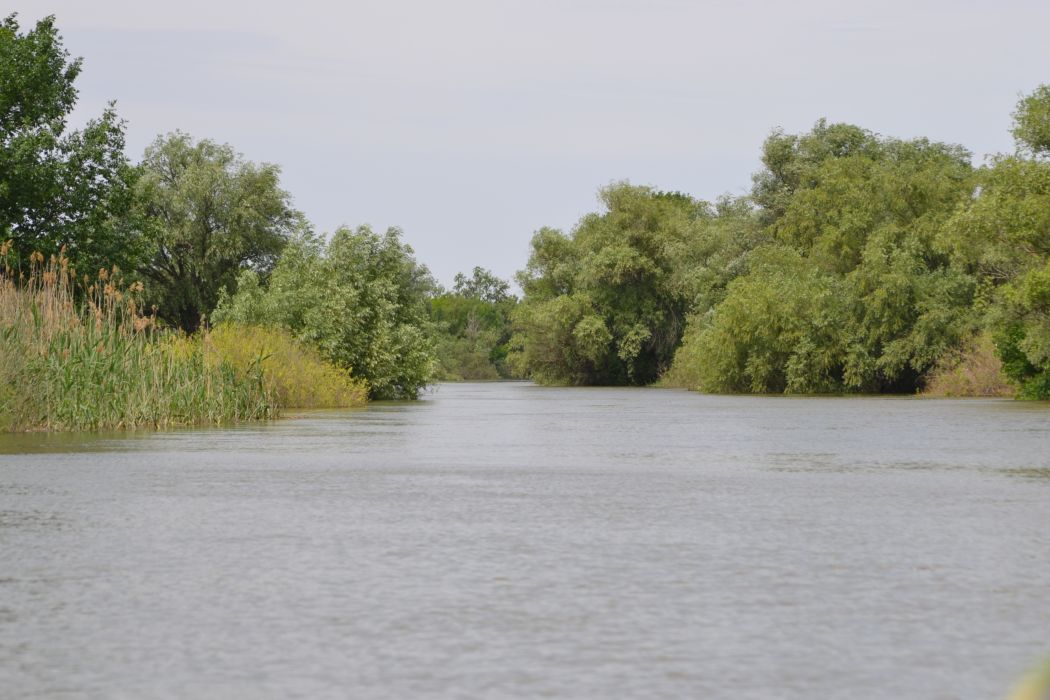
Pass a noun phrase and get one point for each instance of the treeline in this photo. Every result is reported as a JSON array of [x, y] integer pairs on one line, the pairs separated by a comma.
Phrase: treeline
[[857, 263]]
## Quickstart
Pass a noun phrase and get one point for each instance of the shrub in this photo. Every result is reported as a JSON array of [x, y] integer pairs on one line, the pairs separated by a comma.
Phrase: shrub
[[295, 373], [973, 370]]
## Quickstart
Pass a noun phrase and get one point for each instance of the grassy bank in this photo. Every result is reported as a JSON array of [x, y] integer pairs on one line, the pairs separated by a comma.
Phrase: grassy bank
[[79, 355]]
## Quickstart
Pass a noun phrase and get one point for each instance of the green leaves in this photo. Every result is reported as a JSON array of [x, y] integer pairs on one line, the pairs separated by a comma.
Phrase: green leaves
[[359, 299], [209, 214], [1032, 121], [59, 188], [606, 305]]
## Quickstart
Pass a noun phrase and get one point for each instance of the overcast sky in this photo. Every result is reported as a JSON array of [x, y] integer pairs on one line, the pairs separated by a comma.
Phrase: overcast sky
[[472, 123]]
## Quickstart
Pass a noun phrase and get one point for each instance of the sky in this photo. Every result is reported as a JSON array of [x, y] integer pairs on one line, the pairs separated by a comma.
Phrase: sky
[[470, 124]]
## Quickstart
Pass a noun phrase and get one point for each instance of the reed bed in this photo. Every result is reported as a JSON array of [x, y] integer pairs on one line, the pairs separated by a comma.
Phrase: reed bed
[[82, 355], [298, 375]]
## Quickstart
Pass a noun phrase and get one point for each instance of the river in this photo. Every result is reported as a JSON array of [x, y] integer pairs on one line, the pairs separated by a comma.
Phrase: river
[[505, 540]]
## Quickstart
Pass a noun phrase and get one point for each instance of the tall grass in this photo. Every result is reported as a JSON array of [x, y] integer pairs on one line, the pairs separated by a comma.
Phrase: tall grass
[[83, 356], [297, 375]]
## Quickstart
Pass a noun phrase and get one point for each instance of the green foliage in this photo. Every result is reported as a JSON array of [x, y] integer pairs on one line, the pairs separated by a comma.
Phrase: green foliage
[[58, 188], [1024, 332], [1032, 121], [473, 327], [778, 329], [209, 215], [295, 375], [1001, 236], [872, 297], [483, 285], [360, 300], [98, 364], [606, 305]]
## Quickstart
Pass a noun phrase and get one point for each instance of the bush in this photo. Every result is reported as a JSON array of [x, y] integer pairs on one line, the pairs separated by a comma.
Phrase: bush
[[973, 370], [296, 374]]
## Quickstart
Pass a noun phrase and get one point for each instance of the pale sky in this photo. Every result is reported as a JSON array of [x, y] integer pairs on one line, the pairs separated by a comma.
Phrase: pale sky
[[471, 123]]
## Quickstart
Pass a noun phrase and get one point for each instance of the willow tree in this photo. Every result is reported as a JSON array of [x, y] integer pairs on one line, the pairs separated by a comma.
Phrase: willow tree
[[604, 305], [853, 224], [209, 214], [1002, 235]]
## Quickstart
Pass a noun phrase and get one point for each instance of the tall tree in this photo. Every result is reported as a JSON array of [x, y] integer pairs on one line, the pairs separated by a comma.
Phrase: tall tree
[[209, 215], [605, 305], [59, 188]]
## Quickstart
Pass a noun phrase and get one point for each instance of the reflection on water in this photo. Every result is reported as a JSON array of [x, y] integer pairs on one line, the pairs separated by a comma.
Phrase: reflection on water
[[505, 540]]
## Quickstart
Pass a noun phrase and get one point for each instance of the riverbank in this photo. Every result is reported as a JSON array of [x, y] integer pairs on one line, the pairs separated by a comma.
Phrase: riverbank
[[84, 355]]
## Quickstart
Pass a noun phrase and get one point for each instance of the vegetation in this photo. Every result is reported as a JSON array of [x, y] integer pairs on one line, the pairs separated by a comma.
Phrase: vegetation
[[360, 299], [295, 376], [59, 188], [857, 263], [89, 359], [101, 364], [605, 305], [208, 215], [473, 327], [974, 369], [852, 292]]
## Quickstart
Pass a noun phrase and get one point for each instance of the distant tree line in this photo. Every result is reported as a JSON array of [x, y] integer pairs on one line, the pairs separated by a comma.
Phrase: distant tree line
[[857, 262]]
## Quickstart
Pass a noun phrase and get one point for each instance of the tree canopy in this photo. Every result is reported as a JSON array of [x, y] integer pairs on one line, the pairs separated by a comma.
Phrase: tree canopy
[[209, 214], [360, 299], [604, 305], [59, 188]]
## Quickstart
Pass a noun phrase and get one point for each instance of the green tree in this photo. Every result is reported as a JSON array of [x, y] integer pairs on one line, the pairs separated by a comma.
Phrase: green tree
[[482, 284], [360, 299], [778, 329], [867, 213], [209, 215], [605, 305], [1032, 121], [59, 188], [473, 326], [1002, 236]]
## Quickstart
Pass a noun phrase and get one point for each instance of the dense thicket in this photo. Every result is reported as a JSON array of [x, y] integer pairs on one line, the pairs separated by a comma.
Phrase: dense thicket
[[472, 324], [360, 299], [857, 263]]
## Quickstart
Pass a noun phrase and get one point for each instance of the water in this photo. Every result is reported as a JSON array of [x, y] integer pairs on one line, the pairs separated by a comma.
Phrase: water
[[506, 540]]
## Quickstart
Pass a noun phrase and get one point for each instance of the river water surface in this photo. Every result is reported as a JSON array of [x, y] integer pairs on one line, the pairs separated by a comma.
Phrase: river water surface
[[506, 540]]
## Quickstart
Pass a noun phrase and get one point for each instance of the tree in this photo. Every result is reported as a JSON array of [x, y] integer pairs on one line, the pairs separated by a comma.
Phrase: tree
[[605, 305], [473, 327], [1002, 236], [780, 328], [1032, 121], [482, 284], [59, 188], [209, 215], [873, 297], [360, 299]]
